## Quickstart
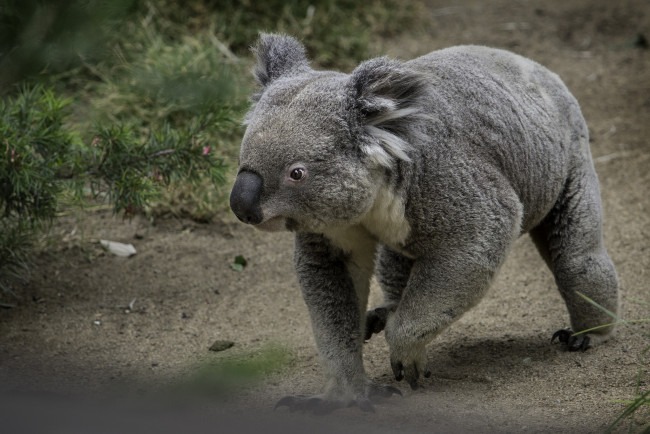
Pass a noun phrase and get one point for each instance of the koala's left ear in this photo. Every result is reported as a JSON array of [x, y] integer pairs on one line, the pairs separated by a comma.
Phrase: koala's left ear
[[277, 56], [386, 101]]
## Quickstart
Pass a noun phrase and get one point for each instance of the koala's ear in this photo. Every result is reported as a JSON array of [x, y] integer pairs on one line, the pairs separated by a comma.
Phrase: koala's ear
[[277, 56], [386, 102]]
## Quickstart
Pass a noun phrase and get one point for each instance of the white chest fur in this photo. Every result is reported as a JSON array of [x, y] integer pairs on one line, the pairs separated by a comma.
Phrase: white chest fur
[[385, 223], [386, 220]]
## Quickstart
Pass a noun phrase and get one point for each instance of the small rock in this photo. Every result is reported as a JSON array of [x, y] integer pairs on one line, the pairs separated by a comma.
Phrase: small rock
[[221, 345], [641, 41], [118, 249]]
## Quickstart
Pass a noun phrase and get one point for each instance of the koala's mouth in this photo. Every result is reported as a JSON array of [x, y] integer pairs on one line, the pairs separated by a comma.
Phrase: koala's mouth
[[278, 224]]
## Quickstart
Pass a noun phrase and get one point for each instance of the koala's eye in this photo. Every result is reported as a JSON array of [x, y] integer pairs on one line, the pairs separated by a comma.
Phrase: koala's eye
[[297, 174]]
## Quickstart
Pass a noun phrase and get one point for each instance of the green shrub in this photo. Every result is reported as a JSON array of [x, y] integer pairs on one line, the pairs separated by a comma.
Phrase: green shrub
[[35, 144], [42, 158]]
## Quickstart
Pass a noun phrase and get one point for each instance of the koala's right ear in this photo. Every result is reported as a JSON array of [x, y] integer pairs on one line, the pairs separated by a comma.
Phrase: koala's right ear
[[277, 56]]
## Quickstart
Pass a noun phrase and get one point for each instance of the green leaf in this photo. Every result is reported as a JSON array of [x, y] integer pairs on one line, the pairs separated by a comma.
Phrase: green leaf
[[239, 263]]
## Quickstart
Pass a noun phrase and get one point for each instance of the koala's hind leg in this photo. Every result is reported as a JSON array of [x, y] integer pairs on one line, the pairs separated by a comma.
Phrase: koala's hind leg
[[392, 270], [570, 240]]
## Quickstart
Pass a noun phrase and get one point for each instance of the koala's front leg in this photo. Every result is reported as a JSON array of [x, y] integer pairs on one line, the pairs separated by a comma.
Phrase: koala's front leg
[[439, 290], [335, 289]]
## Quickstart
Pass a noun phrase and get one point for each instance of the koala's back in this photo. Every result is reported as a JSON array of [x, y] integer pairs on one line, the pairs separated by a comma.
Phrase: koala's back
[[493, 107]]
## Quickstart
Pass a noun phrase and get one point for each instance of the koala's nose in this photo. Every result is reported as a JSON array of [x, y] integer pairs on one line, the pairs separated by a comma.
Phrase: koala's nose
[[245, 197]]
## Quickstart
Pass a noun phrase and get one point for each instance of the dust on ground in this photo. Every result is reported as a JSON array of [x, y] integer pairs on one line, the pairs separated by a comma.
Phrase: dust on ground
[[91, 332]]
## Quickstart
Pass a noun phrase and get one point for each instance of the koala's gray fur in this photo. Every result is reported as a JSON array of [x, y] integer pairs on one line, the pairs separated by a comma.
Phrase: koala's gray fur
[[423, 172]]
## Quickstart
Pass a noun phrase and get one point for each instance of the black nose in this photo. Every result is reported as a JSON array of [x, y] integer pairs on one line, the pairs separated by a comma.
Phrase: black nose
[[245, 197]]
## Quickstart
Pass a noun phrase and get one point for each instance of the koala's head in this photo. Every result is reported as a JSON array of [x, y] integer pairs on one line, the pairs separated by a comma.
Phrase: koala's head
[[318, 145]]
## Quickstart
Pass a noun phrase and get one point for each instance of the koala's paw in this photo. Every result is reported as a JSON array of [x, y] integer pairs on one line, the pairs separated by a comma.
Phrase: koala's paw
[[322, 404], [375, 321], [410, 371], [408, 355], [573, 342], [409, 362]]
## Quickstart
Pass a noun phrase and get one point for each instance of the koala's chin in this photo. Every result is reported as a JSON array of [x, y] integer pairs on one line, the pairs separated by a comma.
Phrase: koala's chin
[[274, 224], [279, 224]]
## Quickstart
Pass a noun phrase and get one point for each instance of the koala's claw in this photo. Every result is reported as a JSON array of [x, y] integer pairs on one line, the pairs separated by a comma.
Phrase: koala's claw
[[573, 342], [375, 321], [397, 370], [411, 373]]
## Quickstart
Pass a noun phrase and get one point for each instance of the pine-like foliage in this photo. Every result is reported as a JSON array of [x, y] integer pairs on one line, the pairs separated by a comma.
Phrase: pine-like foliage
[[41, 158]]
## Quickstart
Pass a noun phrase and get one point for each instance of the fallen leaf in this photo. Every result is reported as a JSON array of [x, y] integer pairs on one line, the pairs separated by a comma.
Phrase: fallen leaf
[[239, 263]]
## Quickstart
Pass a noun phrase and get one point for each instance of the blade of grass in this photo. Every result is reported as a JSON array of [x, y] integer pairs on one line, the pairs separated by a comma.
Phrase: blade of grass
[[642, 399], [627, 322], [629, 410], [620, 320], [638, 301]]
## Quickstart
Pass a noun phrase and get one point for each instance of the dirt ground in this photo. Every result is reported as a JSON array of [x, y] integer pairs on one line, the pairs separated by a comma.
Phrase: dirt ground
[[107, 344]]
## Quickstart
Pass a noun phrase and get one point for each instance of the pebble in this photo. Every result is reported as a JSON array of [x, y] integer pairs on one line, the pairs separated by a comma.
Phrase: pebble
[[221, 345]]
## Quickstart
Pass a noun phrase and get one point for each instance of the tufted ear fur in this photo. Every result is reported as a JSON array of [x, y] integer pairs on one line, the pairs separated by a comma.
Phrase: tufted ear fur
[[385, 104], [277, 56]]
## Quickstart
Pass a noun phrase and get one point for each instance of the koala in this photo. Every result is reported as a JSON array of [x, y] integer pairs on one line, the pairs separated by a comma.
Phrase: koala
[[422, 173]]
